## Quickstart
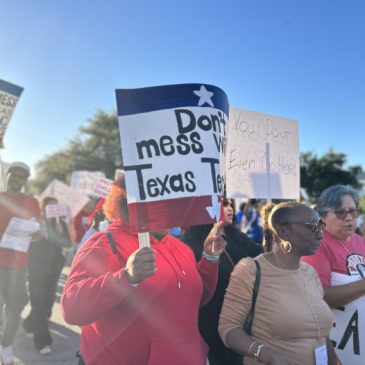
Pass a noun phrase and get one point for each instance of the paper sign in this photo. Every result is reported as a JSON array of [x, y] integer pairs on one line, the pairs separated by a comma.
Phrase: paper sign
[[56, 210], [348, 332], [18, 234], [118, 173], [84, 181], [9, 96], [66, 195], [262, 159], [173, 142], [102, 187]]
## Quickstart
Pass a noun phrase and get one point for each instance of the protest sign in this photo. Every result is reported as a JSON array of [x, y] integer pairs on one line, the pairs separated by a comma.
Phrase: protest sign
[[262, 158], [102, 187], [9, 96], [56, 210], [66, 195], [173, 143], [84, 181], [18, 234], [348, 332]]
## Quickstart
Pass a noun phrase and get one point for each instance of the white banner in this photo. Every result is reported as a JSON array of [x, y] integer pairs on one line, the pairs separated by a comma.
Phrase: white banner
[[84, 181], [348, 331], [18, 234], [262, 157], [66, 195]]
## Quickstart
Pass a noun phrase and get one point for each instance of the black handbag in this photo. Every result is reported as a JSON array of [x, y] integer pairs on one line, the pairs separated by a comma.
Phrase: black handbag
[[249, 319]]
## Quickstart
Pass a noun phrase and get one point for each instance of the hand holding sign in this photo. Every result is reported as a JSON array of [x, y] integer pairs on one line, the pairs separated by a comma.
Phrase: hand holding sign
[[140, 265], [215, 244]]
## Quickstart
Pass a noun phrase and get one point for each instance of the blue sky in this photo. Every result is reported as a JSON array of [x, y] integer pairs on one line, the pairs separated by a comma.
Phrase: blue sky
[[304, 60]]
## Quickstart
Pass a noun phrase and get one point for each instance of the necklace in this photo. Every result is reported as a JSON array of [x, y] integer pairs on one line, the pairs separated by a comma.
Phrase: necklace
[[343, 245], [306, 294]]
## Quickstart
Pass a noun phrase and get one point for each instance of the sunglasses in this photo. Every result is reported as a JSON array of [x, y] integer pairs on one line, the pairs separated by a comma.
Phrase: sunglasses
[[342, 213], [314, 226]]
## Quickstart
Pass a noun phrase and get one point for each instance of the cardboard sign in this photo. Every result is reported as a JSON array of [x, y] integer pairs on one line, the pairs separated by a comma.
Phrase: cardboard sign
[[173, 142], [262, 159], [102, 187], [348, 331], [56, 210], [9, 96], [84, 181], [18, 234], [66, 195]]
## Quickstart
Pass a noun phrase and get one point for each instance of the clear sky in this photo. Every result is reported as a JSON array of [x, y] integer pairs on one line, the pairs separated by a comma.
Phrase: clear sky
[[304, 60]]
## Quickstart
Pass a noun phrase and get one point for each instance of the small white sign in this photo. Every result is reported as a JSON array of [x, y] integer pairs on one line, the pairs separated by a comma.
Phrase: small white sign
[[102, 187], [56, 210], [18, 234]]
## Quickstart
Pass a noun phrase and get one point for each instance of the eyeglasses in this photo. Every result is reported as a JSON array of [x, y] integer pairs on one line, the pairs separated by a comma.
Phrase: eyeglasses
[[342, 213], [314, 226]]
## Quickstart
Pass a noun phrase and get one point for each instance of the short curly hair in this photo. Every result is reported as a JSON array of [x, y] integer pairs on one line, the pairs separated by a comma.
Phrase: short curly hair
[[115, 206]]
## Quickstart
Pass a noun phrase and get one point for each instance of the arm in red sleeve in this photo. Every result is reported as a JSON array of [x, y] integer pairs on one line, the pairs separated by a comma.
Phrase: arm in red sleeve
[[97, 283], [208, 271]]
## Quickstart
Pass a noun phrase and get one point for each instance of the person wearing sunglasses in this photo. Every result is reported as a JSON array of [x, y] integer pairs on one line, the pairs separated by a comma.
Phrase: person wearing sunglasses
[[291, 320], [342, 251]]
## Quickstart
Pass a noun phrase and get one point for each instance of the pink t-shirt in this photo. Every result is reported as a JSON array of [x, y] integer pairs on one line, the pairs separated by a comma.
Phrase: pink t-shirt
[[338, 256]]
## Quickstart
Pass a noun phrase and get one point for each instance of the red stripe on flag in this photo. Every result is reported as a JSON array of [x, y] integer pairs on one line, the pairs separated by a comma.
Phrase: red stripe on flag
[[182, 212]]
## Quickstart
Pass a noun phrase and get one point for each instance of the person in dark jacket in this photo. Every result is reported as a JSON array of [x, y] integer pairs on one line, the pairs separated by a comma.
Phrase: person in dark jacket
[[238, 246], [45, 262]]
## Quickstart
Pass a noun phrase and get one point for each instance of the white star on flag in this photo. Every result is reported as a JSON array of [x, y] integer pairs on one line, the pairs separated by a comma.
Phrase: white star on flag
[[204, 96]]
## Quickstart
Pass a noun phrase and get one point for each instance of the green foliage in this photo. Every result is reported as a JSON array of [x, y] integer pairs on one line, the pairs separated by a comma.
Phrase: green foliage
[[318, 173], [95, 148]]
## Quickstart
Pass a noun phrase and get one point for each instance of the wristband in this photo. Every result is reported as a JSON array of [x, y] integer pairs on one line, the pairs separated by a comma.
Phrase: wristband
[[210, 257]]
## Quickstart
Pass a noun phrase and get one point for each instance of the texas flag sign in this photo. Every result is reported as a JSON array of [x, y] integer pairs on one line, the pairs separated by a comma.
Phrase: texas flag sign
[[173, 140], [9, 96]]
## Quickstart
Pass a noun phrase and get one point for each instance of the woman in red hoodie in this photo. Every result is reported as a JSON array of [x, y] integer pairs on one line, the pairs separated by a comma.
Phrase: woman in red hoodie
[[137, 305]]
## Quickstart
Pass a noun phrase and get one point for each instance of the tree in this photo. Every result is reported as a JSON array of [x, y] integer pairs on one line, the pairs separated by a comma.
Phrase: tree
[[318, 173], [95, 148]]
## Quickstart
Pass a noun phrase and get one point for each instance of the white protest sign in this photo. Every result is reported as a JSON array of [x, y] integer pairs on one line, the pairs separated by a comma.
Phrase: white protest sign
[[56, 210], [262, 157], [173, 142], [9, 96], [102, 187], [118, 173], [84, 181], [18, 234], [348, 331], [66, 195]]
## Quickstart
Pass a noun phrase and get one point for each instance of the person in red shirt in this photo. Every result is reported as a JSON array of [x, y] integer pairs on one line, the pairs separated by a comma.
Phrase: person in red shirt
[[139, 305], [13, 263]]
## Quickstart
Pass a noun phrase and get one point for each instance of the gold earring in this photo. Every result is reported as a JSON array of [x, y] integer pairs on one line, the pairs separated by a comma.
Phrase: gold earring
[[285, 246]]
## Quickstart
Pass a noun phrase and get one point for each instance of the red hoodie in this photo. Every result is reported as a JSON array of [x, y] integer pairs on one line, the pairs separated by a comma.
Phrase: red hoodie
[[155, 323]]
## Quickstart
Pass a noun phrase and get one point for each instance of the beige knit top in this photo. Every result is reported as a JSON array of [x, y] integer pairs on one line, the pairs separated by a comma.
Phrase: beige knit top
[[283, 315]]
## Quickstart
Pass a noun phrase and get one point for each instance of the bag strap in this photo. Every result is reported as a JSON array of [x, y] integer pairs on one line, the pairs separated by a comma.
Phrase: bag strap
[[248, 324], [228, 257], [111, 241]]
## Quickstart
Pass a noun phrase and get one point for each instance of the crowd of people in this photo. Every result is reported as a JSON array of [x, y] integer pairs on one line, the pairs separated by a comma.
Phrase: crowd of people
[[256, 288]]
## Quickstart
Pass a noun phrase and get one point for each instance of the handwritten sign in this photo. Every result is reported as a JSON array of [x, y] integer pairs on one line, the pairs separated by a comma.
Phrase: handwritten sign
[[84, 181], [9, 96], [18, 234], [66, 195], [56, 210], [348, 331], [262, 159], [173, 141], [102, 187]]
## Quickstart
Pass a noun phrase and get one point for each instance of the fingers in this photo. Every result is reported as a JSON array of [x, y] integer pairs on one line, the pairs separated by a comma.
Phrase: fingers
[[141, 264]]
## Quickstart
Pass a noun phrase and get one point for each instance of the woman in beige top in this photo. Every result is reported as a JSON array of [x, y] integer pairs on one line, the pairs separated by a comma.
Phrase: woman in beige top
[[291, 321]]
